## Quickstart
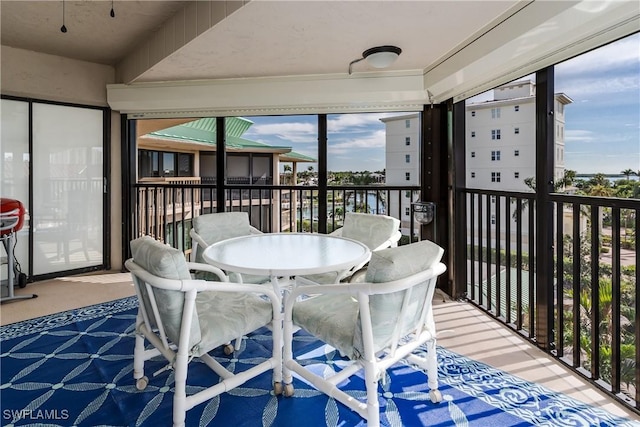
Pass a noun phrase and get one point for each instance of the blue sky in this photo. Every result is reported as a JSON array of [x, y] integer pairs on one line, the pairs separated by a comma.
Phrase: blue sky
[[602, 132], [603, 124], [356, 141]]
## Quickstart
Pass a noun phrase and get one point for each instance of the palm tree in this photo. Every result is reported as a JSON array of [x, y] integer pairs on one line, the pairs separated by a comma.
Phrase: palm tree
[[628, 173], [599, 179], [568, 178], [287, 172], [600, 190]]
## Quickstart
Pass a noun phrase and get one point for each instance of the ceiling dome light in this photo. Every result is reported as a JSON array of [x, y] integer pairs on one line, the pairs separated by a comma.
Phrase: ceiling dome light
[[379, 56]]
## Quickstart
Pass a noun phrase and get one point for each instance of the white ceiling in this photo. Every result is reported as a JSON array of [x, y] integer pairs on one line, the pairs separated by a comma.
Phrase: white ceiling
[[261, 38], [284, 38], [92, 35], [456, 48]]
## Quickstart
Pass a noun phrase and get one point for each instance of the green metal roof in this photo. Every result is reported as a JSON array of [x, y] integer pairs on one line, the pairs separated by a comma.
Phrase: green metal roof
[[235, 126], [204, 131], [246, 144], [292, 156]]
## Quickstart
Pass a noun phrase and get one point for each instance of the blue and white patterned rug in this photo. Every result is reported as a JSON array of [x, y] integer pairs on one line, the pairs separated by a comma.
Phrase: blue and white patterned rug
[[76, 369]]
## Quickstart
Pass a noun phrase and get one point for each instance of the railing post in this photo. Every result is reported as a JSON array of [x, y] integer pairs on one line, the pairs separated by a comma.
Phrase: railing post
[[130, 207], [545, 154], [459, 230], [322, 175], [434, 179], [221, 164]]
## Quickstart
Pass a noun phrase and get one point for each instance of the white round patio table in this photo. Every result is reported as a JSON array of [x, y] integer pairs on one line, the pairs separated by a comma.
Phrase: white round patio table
[[286, 254]]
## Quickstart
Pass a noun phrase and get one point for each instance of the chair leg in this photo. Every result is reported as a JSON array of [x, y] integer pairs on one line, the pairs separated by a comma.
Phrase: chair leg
[[138, 357], [371, 383], [432, 372], [432, 365], [180, 387]]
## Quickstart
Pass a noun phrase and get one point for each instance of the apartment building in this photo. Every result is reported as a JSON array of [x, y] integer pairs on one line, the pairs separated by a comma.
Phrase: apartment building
[[501, 153], [501, 138], [501, 144], [402, 162]]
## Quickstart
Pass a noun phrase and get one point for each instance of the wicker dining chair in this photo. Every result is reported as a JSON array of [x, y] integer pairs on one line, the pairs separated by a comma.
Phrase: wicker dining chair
[[185, 318], [374, 324]]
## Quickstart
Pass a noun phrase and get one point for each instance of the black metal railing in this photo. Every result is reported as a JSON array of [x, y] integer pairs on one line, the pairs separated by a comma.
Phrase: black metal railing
[[596, 309], [165, 210]]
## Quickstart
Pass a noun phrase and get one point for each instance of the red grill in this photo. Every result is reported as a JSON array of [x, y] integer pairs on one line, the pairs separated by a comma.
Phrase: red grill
[[11, 221], [11, 216]]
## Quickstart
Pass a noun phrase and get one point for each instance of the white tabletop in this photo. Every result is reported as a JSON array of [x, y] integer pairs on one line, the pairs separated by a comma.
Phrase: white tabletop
[[286, 254]]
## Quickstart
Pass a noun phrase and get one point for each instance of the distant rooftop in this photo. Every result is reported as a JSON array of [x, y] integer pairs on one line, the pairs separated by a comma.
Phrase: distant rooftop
[[204, 131]]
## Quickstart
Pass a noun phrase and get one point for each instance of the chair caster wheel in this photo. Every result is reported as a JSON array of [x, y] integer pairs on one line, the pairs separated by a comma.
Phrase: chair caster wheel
[[141, 383], [435, 396], [288, 390], [228, 349], [277, 388]]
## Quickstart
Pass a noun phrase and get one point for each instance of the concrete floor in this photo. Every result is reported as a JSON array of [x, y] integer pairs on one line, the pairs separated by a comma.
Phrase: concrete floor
[[462, 329]]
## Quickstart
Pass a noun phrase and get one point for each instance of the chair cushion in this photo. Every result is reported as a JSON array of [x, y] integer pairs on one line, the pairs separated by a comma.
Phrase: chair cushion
[[335, 318], [372, 230], [392, 264], [164, 261], [332, 318], [226, 316], [221, 226], [215, 227]]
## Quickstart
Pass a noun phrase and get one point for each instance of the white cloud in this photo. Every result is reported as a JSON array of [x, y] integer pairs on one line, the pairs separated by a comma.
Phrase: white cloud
[[608, 70], [597, 85], [346, 122], [615, 55], [375, 139], [288, 131], [579, 136]]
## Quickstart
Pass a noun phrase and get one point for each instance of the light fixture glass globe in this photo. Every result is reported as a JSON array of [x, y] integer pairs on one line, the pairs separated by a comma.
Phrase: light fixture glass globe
[[381, 56], [382, 59]]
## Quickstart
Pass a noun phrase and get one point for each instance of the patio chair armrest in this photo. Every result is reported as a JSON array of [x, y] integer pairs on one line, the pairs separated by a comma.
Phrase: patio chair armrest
[[336, 232], [196, 240], [368, 288], [391, 242], [358, 275], [254, 230], [395, 238], [196, 266]]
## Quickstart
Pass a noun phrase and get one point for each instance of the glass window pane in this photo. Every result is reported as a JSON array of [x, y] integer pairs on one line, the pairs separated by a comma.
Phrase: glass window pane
[[294, 142], [185, 164], [67, 216], [238, 169], [598, 102], [207, 167], [15, 168], [602, 124], [262, 169], [168, 164]]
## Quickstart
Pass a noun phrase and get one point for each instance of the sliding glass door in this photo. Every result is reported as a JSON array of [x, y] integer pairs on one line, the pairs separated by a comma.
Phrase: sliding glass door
[[65, 183], [14, 132], [67, 188]]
